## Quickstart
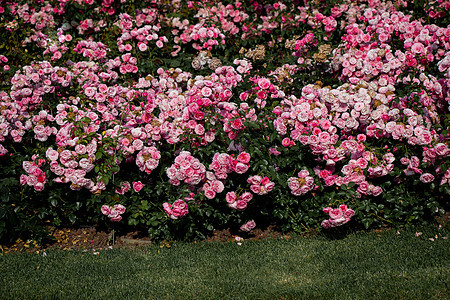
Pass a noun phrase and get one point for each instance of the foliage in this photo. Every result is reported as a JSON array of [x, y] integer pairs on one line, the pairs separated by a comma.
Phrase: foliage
[[195, 116]]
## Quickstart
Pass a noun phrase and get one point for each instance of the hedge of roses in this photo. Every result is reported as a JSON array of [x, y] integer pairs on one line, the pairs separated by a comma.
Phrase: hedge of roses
[[180, 117]]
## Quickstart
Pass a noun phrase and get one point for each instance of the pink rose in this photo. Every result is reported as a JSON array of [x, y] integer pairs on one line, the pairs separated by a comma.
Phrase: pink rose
[[376, 191], [116, 219], [349, 213], [426, 178], [119, 208], [179, 204], [106, 210], [327, 210], [167, 208], [326, 224], [113, 214], [247, 196], [244, 158], [255, 188], [241, 205], [338, 221], [240, 168], [336, 213], [217, 186], [441, 149], [210, 194], [231, 197], [137, 186]]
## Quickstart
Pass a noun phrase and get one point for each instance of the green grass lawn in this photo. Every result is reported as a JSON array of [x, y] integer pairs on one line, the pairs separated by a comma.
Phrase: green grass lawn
[[359, 266]]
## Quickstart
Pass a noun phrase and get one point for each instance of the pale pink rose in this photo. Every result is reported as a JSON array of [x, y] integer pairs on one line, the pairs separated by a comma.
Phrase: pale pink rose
[[327, 210], [39, 186], [167, 208], [66, 155], [232, 205], [441, 149], [119, 208], [303, 173], [293, 183], [426, 177], [241, 168], [248, 226], [264, 83], [218, 186], [349, 213], [52, 154], [113, 213], [338, 221], [326, 224], [330, 180], [336, 213], [376, 191], [142, 47], [362, 163], [269, 186], [31, 180], [255, 179]]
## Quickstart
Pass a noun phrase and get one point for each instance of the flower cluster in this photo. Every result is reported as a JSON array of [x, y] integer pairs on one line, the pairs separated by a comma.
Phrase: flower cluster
[[356, 99], [239, 203], [177, 209], [260, 185], [186, 168], [148, 159], [248, 226], [302, 184], [114, 213], [338, 216], [36, 177], [240, 164]]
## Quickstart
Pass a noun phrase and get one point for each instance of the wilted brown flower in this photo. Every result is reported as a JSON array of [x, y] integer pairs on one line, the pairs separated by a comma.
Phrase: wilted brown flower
[[214, 63]]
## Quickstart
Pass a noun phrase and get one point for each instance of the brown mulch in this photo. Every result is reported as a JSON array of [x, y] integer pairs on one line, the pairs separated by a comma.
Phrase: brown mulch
[[91, 239]]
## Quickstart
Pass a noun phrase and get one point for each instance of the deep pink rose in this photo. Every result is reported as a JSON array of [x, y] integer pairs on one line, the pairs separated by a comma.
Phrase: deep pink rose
[[244, 158], [137, 186]]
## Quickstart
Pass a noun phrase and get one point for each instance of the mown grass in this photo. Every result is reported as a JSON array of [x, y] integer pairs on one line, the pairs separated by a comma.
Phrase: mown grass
[[359, 266]]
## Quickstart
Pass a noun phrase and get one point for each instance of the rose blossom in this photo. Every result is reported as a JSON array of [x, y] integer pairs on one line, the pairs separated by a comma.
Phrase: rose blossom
[[426, 178], [137, 186]]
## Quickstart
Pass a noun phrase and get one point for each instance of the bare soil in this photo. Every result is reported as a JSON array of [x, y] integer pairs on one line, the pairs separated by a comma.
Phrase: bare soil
[[90, 238]]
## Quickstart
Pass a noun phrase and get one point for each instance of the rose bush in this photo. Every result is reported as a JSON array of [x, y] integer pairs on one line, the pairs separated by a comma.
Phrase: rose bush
[[204, 115]]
